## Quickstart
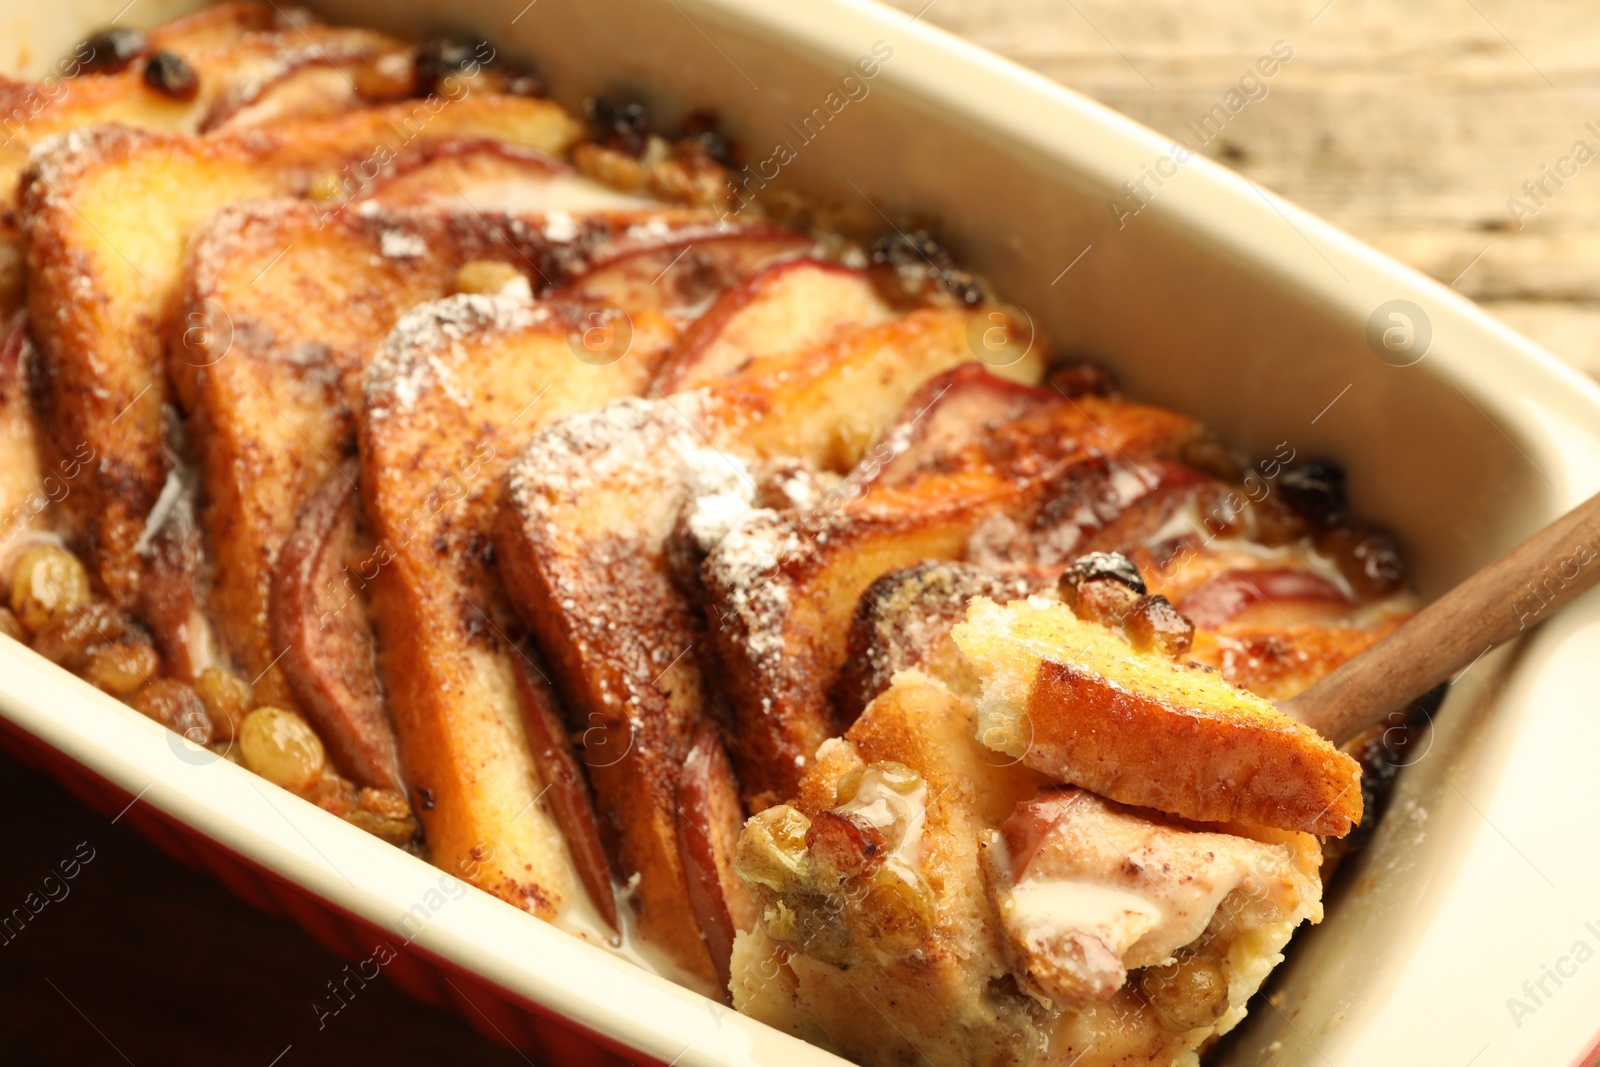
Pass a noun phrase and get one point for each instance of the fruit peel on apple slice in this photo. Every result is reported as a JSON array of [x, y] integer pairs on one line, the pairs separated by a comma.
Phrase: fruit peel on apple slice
[[1076, 701]]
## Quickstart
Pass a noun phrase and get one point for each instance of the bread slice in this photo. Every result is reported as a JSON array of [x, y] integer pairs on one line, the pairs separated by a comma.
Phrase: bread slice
[[896, 892], [459, 387], [784, 587], [1076, 701], [594, 505], [283, 308], [242, 54], [106, 215]]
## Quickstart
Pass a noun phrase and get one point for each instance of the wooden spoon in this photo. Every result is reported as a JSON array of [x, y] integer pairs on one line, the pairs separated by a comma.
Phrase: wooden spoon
[[1507, 598]]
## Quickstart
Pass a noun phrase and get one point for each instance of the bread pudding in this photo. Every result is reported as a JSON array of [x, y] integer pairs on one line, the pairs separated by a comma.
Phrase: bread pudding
[[752, 594]]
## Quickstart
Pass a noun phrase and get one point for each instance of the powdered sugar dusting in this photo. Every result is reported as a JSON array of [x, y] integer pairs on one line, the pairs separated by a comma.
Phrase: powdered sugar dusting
[[418, 356], [744, 569], [397, 244]]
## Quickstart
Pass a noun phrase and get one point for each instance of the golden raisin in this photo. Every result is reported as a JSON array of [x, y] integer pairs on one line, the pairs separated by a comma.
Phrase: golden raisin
[[227, 699], [69, 641], [47, 585], [488, 276], [1153, 623], [281, 747], [384, 814], [175, 706], [772, 848], [1186, 994], [122, 667]]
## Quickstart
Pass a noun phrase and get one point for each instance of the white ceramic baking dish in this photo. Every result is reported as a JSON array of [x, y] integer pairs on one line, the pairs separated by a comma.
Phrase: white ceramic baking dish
[[1466, 934]]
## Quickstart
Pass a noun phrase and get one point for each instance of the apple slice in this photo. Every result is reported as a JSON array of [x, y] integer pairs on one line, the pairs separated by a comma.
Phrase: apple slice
[[493, 177], [676, 270], [570, 802], [318, 617], [1238, 593], [709, 820], [789, 308]]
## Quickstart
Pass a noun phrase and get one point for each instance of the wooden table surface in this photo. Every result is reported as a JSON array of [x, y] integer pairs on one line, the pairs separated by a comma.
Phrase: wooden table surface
[[1411, 126]]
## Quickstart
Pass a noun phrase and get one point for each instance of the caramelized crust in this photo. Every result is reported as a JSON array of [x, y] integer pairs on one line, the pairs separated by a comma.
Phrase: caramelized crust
[[581, 547], [106, 215], [240, 53], [1074, 700], [284, 307], [594, 502], [784, 589], [459, 387]]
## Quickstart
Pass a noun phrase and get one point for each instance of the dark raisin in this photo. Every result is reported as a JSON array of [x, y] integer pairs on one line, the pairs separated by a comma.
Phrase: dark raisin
[[1316, 491], [425, 798], [1102, 587], [1153, 623], [1083, 378], [518, 78], [625, 127], [170, 74], [110, 50], [914, 268], [702, 132], [441, 57], [1093, 565], [1369, 560]]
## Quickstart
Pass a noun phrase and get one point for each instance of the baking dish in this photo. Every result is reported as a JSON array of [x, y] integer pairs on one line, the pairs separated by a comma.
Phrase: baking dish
[[1214, 298]]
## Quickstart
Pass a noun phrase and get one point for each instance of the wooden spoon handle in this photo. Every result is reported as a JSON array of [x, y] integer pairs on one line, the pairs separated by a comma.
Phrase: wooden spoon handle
[[1508, 597]]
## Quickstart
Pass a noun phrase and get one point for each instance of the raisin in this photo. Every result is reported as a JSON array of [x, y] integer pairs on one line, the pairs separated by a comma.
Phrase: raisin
[[912, 268], [1188, 993], [1102, 587], [702, 132], [170, 74], [624, 127], [1369, 560], [175, 706], [1083, 378], [1316, 491], [1153, 623], [121, 668], [69, 642], [1095, 565], [111, 50]]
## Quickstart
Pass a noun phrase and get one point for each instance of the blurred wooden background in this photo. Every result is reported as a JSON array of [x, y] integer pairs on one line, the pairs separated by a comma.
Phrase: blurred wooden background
[[1409, 125]]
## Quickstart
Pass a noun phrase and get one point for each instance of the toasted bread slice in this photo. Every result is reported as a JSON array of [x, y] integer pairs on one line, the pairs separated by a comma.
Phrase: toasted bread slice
[[581, 545], [458, 388], [106, 215], [241, 55], [593, 504], [285, 305], [784, 588], [1075, 700], [913, 872]]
